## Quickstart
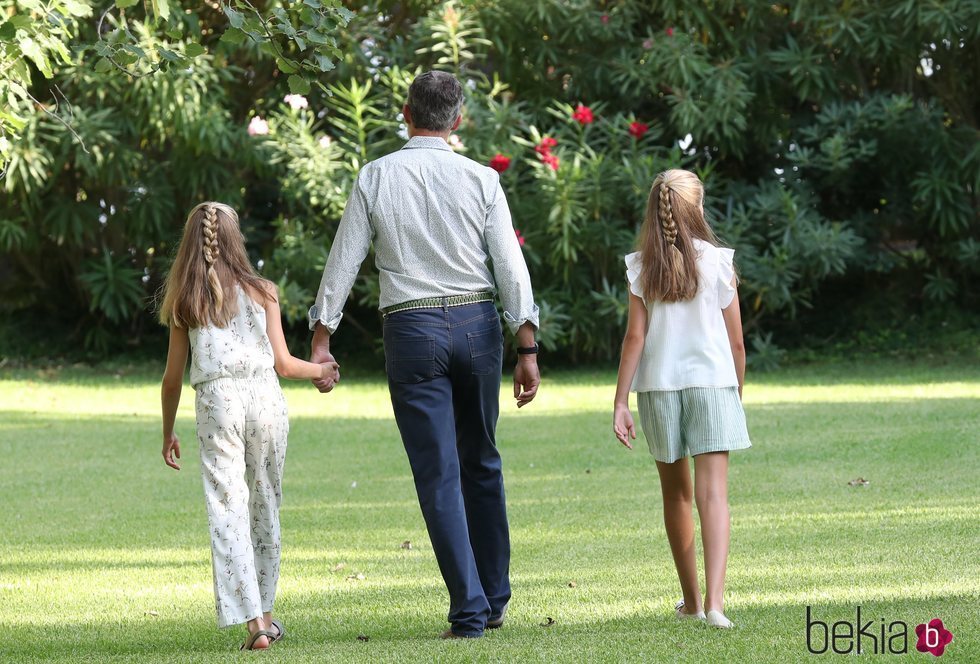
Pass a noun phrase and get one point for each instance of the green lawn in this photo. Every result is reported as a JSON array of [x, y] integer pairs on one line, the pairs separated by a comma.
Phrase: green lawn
[[104, 551]]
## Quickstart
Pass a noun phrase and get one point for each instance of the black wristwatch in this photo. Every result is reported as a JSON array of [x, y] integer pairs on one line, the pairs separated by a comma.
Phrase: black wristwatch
[[531, 350]]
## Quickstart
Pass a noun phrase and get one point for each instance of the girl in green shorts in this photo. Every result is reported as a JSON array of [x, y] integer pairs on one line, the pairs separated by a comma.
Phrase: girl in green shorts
[[683, 355]]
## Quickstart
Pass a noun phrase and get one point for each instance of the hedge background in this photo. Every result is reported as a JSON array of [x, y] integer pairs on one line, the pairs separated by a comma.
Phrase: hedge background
[[838, 142]]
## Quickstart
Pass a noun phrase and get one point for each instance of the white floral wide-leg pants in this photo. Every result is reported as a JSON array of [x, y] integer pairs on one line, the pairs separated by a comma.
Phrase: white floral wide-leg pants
[[242, 425]]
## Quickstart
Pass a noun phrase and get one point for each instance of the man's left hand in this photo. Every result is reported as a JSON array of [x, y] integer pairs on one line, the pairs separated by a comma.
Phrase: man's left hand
[[526, 379]]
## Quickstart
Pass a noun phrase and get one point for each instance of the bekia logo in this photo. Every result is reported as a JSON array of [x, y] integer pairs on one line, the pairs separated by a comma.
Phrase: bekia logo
[[874, 637], [933, 637]]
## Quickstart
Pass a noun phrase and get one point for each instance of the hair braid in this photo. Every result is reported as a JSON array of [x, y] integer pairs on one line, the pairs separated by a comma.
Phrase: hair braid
[[210, 229], [666, 215], [675, 259]]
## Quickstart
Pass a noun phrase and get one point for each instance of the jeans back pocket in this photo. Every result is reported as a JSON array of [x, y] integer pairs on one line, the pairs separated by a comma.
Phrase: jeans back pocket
[[486, 351], [410, 359]]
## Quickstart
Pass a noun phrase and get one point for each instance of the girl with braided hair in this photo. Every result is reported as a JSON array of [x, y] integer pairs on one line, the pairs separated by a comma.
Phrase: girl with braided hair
[[683, 355], [227, 317]]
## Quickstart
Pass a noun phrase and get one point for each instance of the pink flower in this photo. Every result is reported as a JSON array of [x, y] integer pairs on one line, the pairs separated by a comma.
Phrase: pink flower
[[648, 44], [637, 129], [604, 18], [583, 115], [544, 147], [551, 160], [258, 127], [296, 101], [500, 163], [520, 238], [670, 32], [933, 638]]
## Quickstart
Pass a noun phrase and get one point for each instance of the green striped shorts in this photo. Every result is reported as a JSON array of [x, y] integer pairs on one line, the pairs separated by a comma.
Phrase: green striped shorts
[[695, 420]]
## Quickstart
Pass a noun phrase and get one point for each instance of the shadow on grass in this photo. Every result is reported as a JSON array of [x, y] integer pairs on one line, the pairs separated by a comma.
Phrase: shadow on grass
[[330, 627]]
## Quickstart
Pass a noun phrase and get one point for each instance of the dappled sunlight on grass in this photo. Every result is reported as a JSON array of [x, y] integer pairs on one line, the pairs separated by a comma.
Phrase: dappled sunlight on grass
[[105, 550]]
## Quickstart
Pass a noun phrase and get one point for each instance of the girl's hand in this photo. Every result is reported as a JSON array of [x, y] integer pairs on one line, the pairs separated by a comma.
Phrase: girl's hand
[[623, 425], [171, 448], [329, 375]]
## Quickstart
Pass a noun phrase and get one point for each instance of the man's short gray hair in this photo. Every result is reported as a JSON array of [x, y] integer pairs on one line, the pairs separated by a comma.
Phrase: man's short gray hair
[[435, 100]]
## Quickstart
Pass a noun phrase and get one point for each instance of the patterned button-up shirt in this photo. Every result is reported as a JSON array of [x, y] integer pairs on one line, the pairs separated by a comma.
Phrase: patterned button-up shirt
[[435, 218]]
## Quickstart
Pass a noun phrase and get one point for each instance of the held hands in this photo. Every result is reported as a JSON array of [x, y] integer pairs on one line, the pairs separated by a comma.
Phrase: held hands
[[171, 449], [623, 425], [526, 379], [329, 373], [329, 370]]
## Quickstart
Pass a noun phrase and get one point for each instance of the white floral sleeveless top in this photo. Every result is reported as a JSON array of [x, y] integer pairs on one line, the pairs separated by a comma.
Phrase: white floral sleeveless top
[[239, 350]]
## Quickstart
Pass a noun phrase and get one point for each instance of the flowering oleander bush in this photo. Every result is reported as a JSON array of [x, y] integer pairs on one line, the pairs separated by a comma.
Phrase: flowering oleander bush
[[842, 165]]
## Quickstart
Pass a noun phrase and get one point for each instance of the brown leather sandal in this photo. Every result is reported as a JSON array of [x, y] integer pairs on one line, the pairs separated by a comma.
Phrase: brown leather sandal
[[250, 643], [281, 632]]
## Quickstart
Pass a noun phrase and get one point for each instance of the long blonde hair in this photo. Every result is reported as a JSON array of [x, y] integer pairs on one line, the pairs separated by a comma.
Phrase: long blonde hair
[[210, 261], [674, 216]]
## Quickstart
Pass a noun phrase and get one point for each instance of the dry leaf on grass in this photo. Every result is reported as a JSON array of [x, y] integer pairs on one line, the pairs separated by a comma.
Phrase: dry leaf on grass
[[356, 577], [407, 544], [572, 584], [362, 637], [338, 567], [548, 622], [860, 481], [151, 613]]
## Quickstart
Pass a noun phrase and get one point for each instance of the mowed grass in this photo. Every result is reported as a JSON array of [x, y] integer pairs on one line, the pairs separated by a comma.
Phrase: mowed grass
[[104, 551]]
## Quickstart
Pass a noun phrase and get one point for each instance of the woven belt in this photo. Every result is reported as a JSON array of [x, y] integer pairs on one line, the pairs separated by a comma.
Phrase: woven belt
[[447, 301]]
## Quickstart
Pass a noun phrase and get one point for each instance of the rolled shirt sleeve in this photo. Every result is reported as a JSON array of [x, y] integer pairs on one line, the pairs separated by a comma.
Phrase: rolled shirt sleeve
[[510, 269], [349, 249]]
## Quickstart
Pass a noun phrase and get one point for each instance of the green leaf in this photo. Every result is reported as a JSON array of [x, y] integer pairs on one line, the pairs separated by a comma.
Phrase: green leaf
[[298, 85], [125, 58], [233, 36], [7, 31], [123, 4], [168, 55], [316, 37], [193, 50], [30, 48], [323, 62], [286, 66], [161, 8], [103, 65], [77, 8], [235, 18]]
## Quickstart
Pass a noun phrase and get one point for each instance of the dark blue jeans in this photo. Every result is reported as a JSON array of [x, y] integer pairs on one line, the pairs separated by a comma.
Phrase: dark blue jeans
[[444, 367]]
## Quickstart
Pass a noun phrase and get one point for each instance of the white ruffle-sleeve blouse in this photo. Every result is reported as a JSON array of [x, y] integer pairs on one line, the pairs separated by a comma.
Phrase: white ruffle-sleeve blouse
[[687, 342]]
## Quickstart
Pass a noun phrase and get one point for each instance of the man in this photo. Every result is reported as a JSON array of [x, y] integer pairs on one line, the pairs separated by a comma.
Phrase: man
[[436, 218]]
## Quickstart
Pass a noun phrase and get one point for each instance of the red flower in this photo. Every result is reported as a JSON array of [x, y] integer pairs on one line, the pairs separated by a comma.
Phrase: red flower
[[670, 32], [637, 129], [551, 160], [583, 115], [544, 147], [604, 18], [933, 637], [500, 163], [520, 238]]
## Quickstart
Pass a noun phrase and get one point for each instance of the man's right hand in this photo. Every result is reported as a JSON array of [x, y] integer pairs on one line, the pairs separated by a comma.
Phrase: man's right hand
[[319, 354], [325, 383]]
